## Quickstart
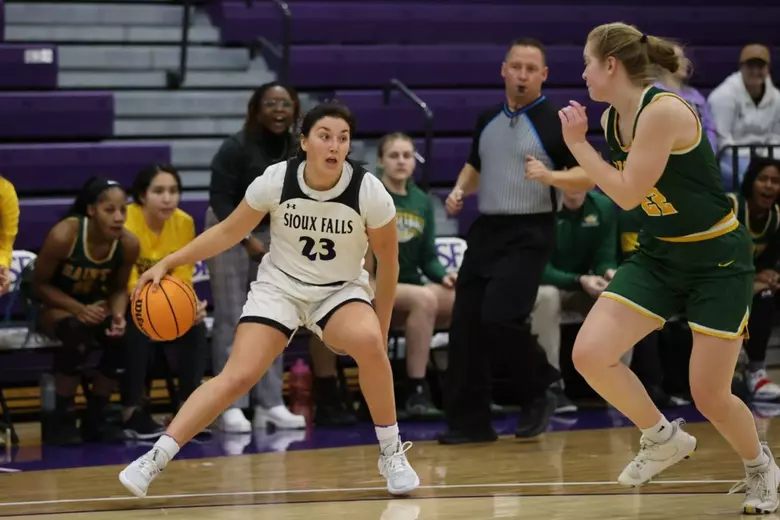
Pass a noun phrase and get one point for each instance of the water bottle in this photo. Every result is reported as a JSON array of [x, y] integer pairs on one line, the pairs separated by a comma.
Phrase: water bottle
[[48, 394]]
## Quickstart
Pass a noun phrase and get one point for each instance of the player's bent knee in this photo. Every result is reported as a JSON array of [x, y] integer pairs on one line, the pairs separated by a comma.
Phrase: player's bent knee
[[587, 357], [238, 381], [366, 347], [711, 401]]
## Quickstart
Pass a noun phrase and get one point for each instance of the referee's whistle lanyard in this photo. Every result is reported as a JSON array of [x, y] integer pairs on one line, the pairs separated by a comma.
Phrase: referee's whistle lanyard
[[515, 115]]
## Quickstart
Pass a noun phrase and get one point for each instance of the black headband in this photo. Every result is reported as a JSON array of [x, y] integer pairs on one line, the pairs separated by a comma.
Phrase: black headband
[[643, 38], [100, 185]]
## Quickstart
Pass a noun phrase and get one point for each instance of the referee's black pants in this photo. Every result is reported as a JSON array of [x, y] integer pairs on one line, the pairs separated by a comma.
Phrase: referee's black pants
[[495, 293]]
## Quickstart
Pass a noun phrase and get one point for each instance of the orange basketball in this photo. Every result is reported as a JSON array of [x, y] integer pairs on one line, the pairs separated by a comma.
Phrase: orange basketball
[[165, 314]]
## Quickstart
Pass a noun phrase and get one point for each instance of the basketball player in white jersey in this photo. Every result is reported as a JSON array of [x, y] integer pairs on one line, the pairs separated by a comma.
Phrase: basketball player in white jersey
[[324, 210]]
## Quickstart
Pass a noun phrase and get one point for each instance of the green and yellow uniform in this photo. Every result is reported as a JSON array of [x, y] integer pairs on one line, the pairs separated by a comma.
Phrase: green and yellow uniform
[[694, 259], [585, 242], [629, 226], [416, 237], [86, 279], [761, 237]]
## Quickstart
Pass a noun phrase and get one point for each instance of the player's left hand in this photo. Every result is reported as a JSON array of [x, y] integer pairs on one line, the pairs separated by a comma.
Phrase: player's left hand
[[536, 170], [118, 324], [574, 121], [201, 311], [449, 280]]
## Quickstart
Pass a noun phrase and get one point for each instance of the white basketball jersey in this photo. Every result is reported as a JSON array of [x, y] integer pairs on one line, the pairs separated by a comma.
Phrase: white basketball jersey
[[319, 237]]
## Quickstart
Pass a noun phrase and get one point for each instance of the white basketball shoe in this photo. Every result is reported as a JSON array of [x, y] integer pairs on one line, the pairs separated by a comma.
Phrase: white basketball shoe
[[393, 465], [137, 476], [654, 457], [760, 483]]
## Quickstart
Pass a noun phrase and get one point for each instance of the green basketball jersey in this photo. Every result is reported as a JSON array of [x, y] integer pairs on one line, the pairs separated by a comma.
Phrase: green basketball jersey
[[688, 203], [760, 237], [84, 278]]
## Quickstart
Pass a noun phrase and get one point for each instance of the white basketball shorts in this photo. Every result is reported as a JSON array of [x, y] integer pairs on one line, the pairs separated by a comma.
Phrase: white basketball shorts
[[280, 301]]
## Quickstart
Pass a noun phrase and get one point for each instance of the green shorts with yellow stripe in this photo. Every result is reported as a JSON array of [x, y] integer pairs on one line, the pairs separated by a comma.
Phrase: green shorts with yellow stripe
[[709, 282]]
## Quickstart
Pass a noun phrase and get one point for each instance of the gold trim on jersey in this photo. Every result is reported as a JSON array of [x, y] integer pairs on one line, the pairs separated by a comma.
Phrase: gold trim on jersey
[[616, 128], [605, 126], [734, 201], [85, 246], [75, 238], [725, 225], [634, 306], [683, 149], [741, 331], [675, 151], [763, 232]]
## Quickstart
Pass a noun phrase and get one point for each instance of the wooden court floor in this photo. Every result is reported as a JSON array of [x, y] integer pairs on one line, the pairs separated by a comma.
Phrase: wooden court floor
[[567, 475]]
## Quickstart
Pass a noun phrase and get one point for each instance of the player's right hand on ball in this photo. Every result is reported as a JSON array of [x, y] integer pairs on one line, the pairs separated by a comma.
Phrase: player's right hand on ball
[[454, 202], [154, 274]]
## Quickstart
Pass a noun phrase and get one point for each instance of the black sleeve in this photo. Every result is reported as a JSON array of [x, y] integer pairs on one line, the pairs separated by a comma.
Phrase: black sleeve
[[548, 125], [225, 176], [482, 121]]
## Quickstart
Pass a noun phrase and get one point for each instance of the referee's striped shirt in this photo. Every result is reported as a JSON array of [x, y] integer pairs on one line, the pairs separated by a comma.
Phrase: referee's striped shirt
[[501, 142]]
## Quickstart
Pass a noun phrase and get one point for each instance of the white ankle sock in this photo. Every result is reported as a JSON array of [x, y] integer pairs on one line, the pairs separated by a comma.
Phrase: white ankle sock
[[387, 436], [168, 449], [660, 432], [758, 461]]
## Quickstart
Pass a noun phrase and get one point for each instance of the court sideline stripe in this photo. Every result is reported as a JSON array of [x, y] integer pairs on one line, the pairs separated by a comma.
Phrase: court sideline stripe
[[346, 490]]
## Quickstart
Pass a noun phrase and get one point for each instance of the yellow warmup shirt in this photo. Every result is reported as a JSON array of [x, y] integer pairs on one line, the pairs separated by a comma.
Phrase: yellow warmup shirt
[[178, 231], [9, 221]]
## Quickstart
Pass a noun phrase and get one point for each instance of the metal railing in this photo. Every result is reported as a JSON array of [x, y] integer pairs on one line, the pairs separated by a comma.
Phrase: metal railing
[[174, 79], [428, 113], [755, 150], [283, 53]]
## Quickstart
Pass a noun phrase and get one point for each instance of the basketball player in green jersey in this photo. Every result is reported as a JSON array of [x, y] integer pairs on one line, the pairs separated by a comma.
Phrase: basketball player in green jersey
[[80, 280], [756, 207], [694, 259]]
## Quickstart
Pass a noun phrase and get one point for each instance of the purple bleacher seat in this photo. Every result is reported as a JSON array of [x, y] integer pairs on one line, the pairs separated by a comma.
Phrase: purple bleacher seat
[[450, 154], [36, 168], [38, 215], [467, 215], [453, 110], [66, 115], [472, 22], [559, 3], [464, 66], [28, 66]]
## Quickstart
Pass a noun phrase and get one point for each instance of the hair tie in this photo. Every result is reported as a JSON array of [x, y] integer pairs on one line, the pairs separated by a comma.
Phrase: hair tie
[[643, 38]]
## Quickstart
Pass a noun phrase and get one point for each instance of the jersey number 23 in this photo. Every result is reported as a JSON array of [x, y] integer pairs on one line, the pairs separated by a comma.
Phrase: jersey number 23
[[322, 249]]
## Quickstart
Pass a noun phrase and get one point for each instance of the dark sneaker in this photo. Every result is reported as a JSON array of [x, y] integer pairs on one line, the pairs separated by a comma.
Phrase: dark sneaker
[[329, 407], [97, 428], [562, 403], [419, 404], [142, 426], [58, 428], [535, 418]]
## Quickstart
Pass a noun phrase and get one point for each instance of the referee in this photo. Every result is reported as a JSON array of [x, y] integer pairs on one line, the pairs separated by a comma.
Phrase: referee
[[517, 164]]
